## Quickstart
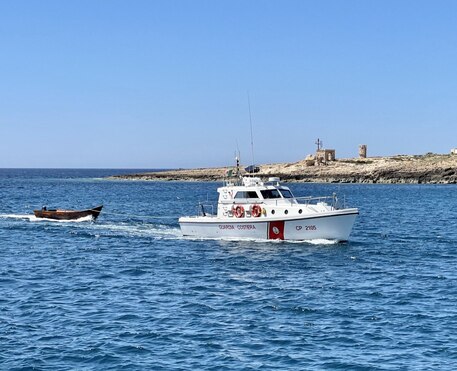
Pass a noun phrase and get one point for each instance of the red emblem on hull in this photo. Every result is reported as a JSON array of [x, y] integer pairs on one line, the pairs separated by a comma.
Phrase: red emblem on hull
[[276, 230]]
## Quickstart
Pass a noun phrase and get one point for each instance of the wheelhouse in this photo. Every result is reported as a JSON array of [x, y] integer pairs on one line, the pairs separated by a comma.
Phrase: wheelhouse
[[251, 190]]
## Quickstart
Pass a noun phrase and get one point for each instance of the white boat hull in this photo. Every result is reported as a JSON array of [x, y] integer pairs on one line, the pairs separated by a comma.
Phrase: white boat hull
[[333, 225]]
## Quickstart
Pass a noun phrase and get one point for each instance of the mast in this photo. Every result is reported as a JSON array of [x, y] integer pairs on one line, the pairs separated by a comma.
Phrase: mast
[[250, 123]]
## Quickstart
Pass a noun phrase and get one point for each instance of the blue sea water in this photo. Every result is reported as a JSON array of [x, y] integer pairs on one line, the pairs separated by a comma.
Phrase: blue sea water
[[129, 292]]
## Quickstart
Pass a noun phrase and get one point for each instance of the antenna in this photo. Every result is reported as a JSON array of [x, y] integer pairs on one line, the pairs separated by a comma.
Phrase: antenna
[[319, 143], [237, 160], [250, 122]]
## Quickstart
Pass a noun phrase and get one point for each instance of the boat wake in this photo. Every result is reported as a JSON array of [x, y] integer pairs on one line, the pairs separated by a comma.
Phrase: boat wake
[[151, 230], [33, 218], [167, 232], [261, 240], [320, 241], [159, 231]]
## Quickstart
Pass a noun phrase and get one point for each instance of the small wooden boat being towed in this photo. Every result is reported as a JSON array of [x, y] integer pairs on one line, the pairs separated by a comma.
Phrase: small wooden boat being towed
[[59, 214]]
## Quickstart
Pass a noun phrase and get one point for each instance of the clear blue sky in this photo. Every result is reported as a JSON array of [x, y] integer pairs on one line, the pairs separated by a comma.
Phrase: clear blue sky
[[159, 84]]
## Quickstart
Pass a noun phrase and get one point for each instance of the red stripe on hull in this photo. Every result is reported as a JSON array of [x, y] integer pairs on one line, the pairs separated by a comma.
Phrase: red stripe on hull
[[276, 230]]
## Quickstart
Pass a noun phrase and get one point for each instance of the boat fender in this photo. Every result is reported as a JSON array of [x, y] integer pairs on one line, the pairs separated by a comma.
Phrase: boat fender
[[238, 211], [256, 211]]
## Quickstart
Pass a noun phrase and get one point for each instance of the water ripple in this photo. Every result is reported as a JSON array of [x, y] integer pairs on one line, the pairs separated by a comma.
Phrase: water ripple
[[127, 293]]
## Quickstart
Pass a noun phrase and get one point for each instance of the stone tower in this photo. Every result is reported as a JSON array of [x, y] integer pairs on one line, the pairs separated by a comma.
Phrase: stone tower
[[363, 151]]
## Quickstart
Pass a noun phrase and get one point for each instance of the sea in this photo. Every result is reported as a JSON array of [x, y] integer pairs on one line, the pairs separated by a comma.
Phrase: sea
[[129, 292]]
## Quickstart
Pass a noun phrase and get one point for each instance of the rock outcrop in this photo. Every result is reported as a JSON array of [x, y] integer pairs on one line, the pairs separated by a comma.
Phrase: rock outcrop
[[429, 168]]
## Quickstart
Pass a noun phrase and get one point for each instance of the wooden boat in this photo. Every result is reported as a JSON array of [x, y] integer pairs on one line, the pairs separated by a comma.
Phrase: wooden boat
[[59, 214]]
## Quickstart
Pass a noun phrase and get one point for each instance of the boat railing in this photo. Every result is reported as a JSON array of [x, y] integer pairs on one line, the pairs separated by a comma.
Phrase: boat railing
[[332, 201], [242, 201]]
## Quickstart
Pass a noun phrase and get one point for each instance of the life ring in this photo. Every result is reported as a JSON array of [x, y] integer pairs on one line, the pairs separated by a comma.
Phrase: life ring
[[238, 211], [256, 211]]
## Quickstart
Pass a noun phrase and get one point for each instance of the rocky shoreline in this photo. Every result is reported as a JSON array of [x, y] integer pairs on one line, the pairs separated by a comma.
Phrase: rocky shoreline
[[401, 169]]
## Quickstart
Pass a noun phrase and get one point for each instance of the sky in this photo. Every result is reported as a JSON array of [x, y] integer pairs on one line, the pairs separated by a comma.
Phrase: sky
[[167, 84]]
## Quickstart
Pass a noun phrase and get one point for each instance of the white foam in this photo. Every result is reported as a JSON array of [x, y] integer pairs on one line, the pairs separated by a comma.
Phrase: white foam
[[319, 241], [259, 240], [148, 230], [33, 218], [17, 216]]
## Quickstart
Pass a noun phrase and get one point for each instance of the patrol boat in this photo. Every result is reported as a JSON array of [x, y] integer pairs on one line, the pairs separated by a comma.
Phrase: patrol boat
[[254, 209]]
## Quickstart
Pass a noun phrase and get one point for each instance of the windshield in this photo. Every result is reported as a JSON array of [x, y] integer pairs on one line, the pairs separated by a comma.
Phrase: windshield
[[270, 193], [286, 193], [246, 194]]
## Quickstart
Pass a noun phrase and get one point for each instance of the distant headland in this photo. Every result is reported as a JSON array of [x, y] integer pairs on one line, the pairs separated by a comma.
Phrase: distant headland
[[409, 169]]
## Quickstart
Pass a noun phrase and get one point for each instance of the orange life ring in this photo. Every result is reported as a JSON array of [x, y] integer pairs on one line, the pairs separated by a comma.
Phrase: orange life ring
[[256, 211], [238, 211]]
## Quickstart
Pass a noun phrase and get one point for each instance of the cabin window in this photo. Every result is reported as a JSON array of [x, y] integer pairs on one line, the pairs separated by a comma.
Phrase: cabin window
[[246, 194], [270, 193], [286, 193]]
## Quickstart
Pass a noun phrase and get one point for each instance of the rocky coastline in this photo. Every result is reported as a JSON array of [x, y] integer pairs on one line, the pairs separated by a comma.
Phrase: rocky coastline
[[400, 169]]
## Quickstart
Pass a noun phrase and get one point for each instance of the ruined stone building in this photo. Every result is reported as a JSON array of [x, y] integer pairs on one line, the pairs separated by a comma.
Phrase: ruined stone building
[[325, 155]]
